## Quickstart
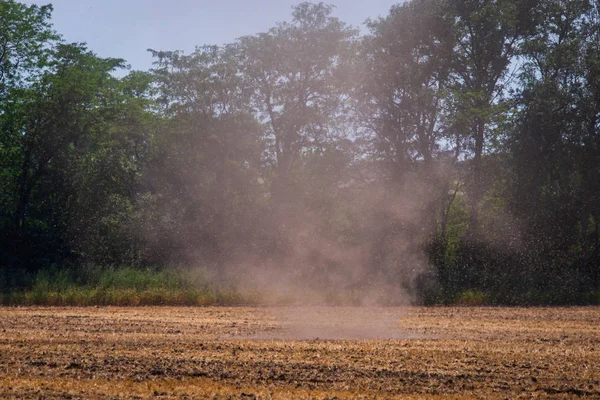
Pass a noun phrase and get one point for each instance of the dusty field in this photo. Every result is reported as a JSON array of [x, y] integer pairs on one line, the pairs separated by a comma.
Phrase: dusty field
[[245, 353]]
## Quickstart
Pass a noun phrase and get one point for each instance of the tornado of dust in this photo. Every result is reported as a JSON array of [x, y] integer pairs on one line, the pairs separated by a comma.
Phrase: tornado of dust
[[337, 323], [330, 289]]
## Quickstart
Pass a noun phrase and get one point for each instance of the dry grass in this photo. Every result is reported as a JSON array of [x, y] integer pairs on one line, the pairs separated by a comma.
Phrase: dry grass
[[242, 353]]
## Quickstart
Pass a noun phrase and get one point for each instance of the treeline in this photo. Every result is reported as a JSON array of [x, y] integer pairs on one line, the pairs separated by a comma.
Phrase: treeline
[[452, 150]]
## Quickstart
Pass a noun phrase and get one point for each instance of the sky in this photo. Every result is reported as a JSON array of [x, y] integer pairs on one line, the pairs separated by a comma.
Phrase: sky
[[127, 28]]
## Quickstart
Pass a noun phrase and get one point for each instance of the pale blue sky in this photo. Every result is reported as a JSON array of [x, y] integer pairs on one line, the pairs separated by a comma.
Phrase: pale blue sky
[[126, 28]]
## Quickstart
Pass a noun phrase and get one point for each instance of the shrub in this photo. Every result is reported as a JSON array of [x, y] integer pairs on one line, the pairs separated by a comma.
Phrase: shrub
[[471, 298], [122, 286]]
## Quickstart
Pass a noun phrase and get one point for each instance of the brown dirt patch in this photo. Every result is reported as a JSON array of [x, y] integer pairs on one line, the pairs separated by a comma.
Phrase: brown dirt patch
[[244, 353]]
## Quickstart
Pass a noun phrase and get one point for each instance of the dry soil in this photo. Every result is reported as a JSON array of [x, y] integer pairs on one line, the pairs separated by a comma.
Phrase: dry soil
[[245, 353]]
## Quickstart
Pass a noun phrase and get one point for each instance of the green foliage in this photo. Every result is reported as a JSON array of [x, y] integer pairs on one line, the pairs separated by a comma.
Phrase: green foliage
[[298, 75], [25, 35], [452, 153], [124, 287], [471, 298]]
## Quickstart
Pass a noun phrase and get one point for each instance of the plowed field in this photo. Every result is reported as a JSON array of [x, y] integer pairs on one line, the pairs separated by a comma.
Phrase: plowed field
[[245, 353]]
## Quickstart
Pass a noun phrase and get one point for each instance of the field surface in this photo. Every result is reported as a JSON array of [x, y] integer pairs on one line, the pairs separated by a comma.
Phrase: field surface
[[245, 353]]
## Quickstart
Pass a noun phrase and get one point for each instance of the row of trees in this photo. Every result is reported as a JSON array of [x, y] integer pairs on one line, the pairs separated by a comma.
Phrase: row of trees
[[457, 139]]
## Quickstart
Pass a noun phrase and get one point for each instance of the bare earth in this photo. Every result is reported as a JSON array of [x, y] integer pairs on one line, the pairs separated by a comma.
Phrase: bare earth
[[245, 353]]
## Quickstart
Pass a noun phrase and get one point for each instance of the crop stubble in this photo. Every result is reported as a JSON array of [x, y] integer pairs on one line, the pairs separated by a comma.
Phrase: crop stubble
[[242, 353]]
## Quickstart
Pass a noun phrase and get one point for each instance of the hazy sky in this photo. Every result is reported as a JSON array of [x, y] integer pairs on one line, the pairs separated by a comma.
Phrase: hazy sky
[[126, 28]]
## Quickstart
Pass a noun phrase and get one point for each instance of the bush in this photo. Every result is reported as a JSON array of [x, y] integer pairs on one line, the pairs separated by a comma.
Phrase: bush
[[123, 287], [472, 298]]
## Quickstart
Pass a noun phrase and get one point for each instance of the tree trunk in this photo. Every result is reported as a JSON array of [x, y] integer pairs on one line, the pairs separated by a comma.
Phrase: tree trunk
[[16, 238], [281, 187], [476, 190], [19, 217], [597, 235]]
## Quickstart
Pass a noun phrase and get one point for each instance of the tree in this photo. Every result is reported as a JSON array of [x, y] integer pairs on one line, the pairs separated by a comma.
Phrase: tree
[[590, 145], [25, 38], [404, 96], [72, 164], [405, 82], [488, 34], [555, 145], [296, 72], [201, 195], [205, 83]]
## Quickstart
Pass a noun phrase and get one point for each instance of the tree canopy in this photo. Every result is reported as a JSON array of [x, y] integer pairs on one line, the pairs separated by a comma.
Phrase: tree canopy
[[453, 146]]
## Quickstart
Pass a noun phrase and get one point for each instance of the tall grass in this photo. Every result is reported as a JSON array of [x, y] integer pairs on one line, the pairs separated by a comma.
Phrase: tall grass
[[124, 286]]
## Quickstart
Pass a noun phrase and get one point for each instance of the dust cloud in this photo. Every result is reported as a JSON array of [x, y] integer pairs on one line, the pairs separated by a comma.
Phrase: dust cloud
[[381, 265], [338, 323], [328, 288]]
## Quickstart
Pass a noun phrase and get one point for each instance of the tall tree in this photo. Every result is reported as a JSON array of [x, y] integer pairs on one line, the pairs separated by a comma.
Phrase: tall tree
[[403, 97], [590, 144], [25, 36], [296, 73], [555, 143], [70, 162], [402, 92], [25, 40], [202, 178], [488, 34]]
